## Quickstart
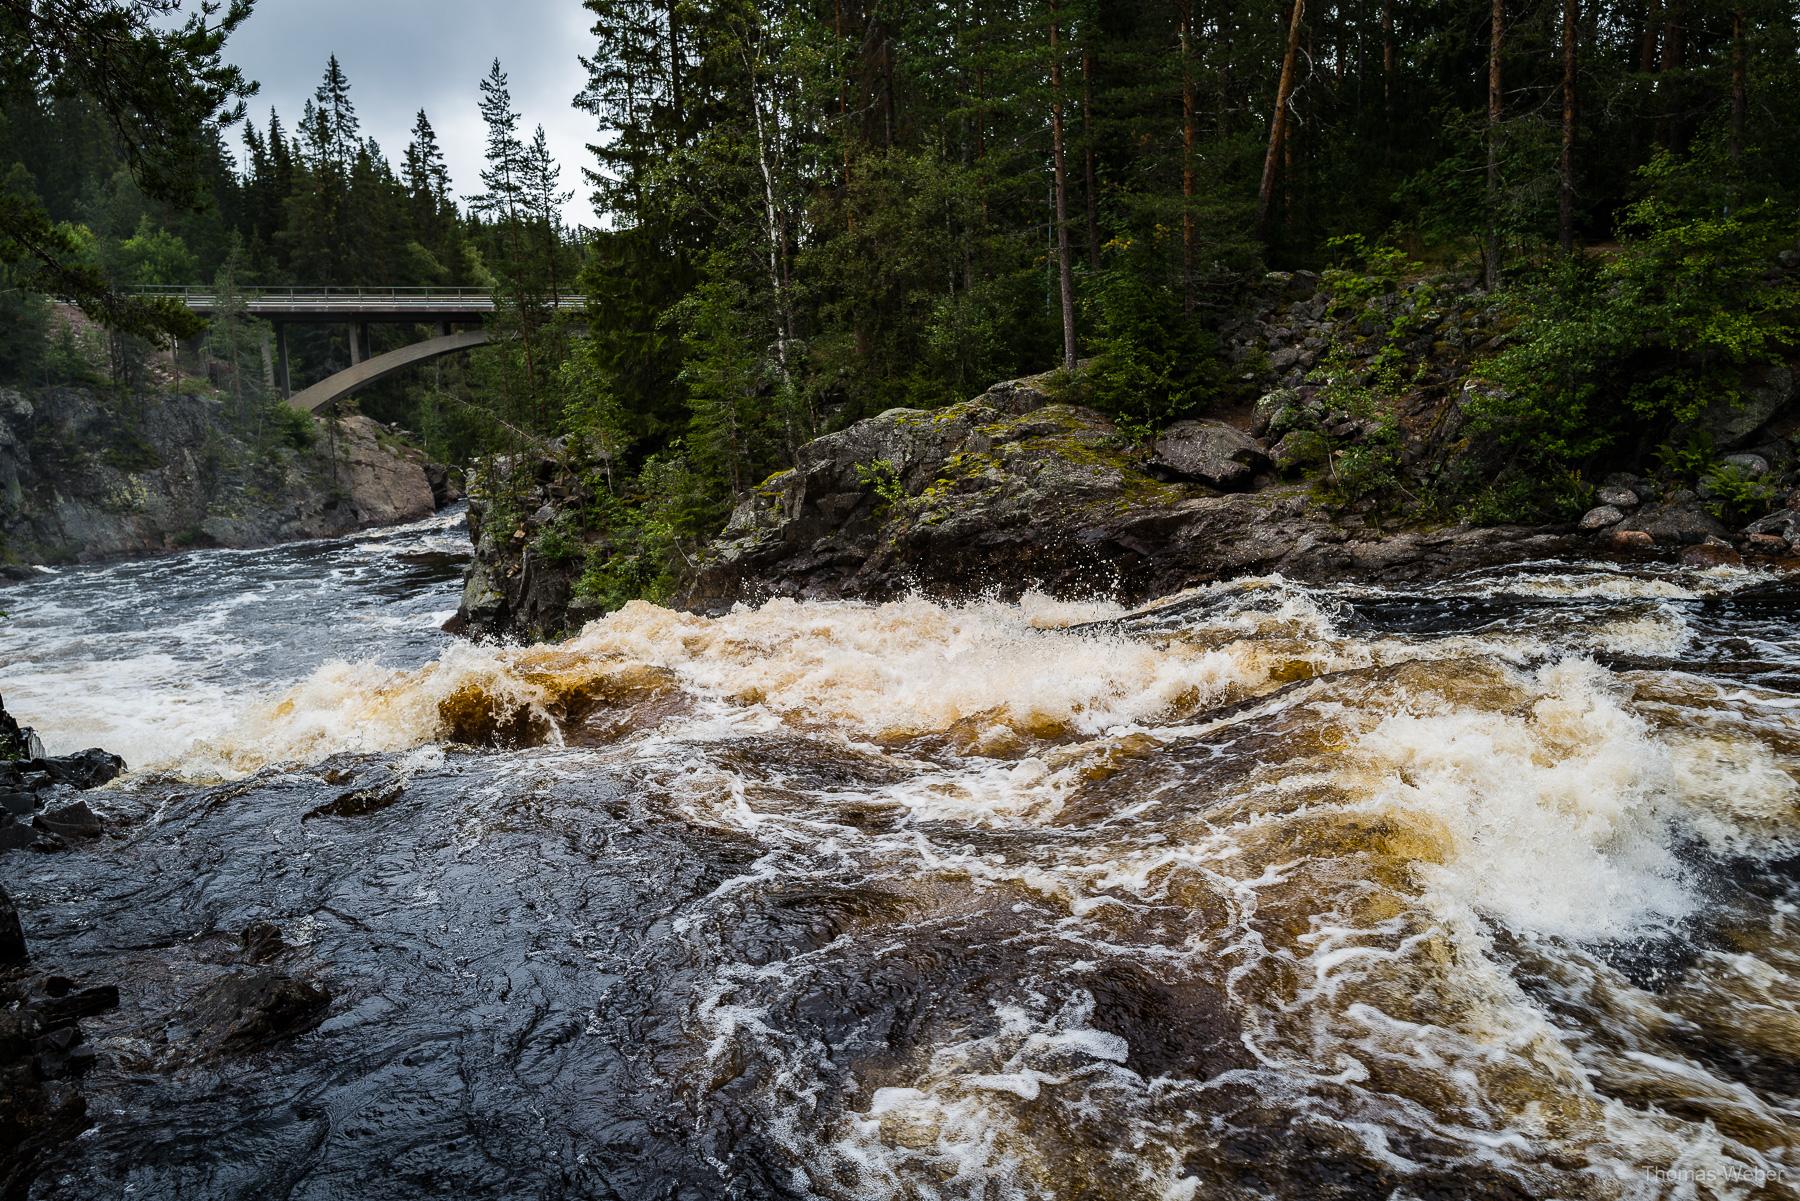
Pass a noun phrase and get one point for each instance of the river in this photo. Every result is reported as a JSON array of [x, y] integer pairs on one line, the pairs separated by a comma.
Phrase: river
[[1487, 888]]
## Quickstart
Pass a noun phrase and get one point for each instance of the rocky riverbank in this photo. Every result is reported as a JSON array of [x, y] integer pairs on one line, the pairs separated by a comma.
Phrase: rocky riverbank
[[1024, 487], [42, 1050], [85, 475]]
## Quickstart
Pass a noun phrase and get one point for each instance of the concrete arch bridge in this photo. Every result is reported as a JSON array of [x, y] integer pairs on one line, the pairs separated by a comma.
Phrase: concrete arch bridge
[[445, 308]]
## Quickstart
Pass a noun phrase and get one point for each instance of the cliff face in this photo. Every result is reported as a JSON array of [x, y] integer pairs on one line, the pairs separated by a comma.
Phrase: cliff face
[[84, 476]]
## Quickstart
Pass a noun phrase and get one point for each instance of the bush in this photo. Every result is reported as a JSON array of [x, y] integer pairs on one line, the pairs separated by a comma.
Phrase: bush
[[1152, 362], [293, 428], [1612, 358]]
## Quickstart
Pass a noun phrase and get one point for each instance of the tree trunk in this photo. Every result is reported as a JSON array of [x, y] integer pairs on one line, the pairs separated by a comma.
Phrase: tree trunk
[[784, 316], [1090, 184], [1674, 53], [1647, 44], [675, 101], [1566, 200], [1187, 155], [1278, 122], [1496, 99], [1387, 66], [1061, 174], [1740, 91]]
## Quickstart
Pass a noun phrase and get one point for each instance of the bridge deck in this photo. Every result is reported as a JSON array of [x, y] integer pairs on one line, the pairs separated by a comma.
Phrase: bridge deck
[[353, 304]]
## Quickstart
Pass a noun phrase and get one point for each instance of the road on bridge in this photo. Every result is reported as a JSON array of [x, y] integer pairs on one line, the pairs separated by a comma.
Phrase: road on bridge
[[357, 308]]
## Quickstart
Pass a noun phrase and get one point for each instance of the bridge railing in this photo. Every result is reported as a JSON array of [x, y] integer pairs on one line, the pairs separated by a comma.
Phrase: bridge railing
[[318, 292]]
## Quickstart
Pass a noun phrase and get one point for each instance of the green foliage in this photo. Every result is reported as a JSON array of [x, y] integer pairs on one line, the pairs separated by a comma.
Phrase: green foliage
[[1734, 495], [643, 535], [556, 543], [1624, 352], [883, 479], [1153, 362], [152, 255], [1363, 270], [293, 428]]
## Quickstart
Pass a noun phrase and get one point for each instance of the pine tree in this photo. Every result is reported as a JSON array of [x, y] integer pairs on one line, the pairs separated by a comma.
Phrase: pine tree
[[338, 124]]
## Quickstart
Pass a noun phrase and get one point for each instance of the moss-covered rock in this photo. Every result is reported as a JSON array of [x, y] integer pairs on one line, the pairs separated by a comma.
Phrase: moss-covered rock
[[1013, 490]]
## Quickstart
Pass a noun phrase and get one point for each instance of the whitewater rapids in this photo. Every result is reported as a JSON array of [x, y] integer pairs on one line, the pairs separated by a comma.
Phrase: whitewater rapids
[[1485, 888]]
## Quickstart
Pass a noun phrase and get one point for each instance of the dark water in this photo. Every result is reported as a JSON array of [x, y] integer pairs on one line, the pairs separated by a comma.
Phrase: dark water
[[1486, 889]]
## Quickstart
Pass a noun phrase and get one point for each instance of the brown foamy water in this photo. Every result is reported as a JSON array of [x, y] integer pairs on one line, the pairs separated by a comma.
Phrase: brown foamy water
[[1481, 889]]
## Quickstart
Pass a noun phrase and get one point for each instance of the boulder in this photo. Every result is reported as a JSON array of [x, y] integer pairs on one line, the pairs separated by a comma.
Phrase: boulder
[[1296, 450], [1618, 498], [247, 1010], [1783, 523], [72, 821], [1675, 522], [15, 835], [1766, 544], [85, 769], [1600, 518], [1634, 540], [16, 741], [1763, 392], [1209, 452], [1277, 412], [12, 934], [1752, 465], [1711, 554]]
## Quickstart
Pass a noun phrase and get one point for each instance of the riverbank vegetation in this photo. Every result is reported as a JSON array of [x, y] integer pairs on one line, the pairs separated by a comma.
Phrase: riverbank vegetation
[[814, 212]]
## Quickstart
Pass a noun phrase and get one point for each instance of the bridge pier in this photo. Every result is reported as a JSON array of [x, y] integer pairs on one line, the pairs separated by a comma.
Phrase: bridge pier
[[359, 342], [282, 380]]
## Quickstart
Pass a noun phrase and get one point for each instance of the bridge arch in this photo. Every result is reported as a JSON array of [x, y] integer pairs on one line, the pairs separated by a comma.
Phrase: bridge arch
[[355, 378]]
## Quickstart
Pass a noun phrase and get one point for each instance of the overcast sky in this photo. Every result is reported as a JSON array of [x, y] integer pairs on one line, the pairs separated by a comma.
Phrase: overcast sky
[[404, 55]]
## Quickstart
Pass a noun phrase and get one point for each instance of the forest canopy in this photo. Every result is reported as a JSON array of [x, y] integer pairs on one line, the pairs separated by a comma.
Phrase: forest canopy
[[814, 211]]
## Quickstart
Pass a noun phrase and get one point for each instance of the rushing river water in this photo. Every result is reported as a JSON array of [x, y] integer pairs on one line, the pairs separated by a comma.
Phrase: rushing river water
[[1481, 889]]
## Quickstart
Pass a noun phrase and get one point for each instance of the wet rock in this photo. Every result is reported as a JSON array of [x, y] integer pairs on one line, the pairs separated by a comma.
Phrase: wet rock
[[1600, 518], [446, 484], [361, 802], [1783, 523], [34, 805], [247, 1010], [73, 1006], [85, 769], [1618, 498], [1766, 544], [15, 835], [16, 741], [262, 941], [1675, 522], [1711, 554], [73, 821], [12, 934], [1209, 452], [1632, 540]]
